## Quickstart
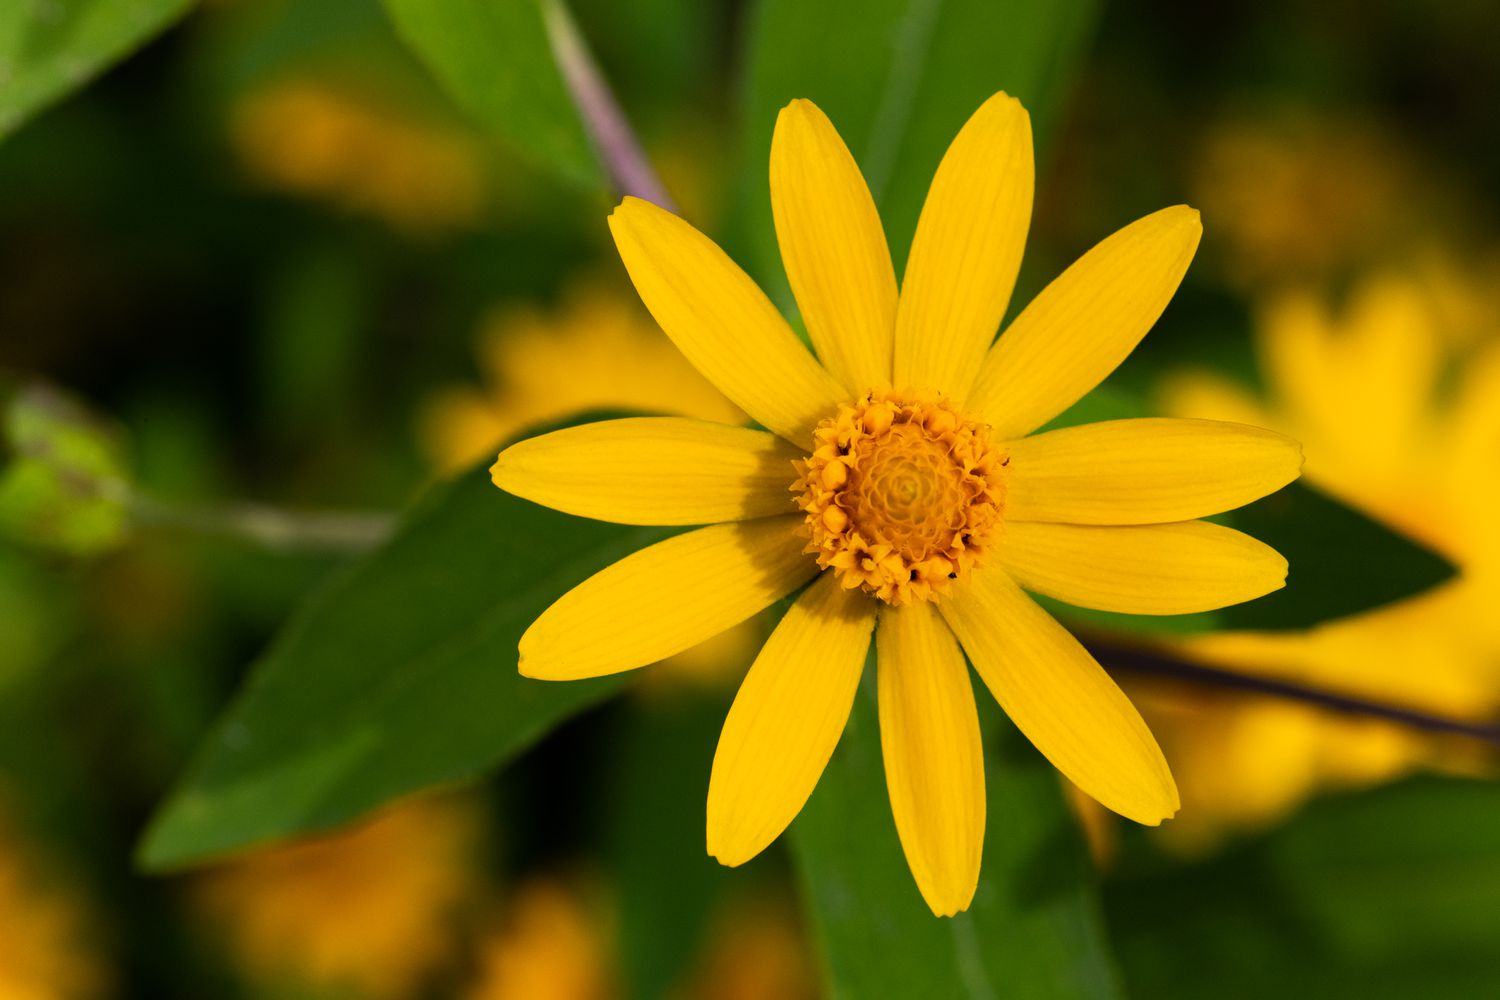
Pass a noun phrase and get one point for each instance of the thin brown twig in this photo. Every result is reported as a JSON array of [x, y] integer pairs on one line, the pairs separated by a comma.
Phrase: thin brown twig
[[1137, 660]]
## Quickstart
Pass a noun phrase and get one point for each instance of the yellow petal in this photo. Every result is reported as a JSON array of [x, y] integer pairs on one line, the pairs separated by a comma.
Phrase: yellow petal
[[1063, 701], [787, 718], [934, 762], [652, 470], [1085, 323], [966, 251], [665, 598], [1149, 569], [1147, 471], [722, 322], [833, 247]]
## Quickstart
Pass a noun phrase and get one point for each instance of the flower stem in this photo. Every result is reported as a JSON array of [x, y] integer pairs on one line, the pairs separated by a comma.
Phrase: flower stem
[[1131, 659], [274, 528], [613, 137]]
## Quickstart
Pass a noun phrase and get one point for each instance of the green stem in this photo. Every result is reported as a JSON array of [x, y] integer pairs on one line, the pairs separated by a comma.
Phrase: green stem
[[270, 527]]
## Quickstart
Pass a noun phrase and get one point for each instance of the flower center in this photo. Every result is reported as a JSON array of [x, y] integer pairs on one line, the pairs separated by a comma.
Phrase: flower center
[[903, 494]]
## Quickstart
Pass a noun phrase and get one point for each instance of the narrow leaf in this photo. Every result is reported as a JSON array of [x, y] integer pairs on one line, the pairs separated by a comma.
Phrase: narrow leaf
[[50, 48], [400, 675], [496, 61]]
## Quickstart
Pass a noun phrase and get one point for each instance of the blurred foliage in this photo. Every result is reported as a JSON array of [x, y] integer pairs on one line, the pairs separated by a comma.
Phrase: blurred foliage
[[271, 244], [50, 49], [497, 60], [397, 677], [64, 483], [1363, 895]]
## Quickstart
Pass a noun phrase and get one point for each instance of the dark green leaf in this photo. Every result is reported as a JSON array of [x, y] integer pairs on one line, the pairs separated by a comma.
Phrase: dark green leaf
[[1387, 894], [667, 883], [898, 79], [1034, 929], [400, 675], [50, 48], [1342, 562], [495, 60]]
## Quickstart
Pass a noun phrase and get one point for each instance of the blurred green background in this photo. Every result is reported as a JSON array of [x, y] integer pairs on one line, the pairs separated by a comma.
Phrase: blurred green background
[[276, 278]]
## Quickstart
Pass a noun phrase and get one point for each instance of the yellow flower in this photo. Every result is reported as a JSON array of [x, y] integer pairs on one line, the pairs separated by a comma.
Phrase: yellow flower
[[1296, 198], [595, 351], [550, 947], [756, 951], [555, 944], [1245, 762], [914, 481], [44, 951], [366, 908], [1363, 390], [316, 139]]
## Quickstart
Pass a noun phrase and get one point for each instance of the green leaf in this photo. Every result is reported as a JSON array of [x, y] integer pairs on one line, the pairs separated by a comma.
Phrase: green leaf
[[50, 48], [1034, 929], [496, 61], [1385, 894], [898, 78], [1342, 562], [1429, 844], [401, 674]]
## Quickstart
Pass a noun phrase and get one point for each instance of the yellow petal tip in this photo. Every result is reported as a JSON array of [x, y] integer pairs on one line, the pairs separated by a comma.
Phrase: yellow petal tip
[[1001, 101], [630, 205], [728, 858], [799, 105], [498, 471], [1184, 213], [529, 662], [1156, 813], [951, 905]]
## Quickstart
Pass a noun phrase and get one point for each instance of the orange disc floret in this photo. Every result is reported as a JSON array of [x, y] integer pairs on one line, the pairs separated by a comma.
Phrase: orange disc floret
[[903, 494]]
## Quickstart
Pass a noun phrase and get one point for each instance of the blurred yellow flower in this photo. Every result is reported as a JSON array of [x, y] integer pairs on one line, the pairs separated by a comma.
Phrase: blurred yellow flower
[[45, 952], [552, 945], [321, 141], [555, 944], [368, 909], [1363, 391], [756, 951], [909, 439], [1296, 199], [597, 350]]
